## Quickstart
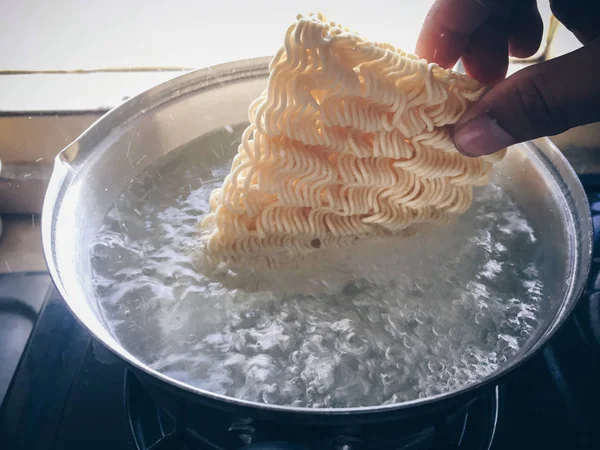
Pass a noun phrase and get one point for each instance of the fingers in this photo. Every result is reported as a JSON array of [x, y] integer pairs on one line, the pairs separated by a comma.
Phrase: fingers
[[447, 29], [526, 29], [580, 16], [486, 55], [541, 100], [481, 32]]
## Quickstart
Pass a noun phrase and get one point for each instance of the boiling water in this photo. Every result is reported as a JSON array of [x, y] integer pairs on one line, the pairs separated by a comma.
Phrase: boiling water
[[376, 324]]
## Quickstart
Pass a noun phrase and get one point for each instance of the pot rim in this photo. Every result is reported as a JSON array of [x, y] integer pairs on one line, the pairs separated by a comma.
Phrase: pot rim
[[195, 81]]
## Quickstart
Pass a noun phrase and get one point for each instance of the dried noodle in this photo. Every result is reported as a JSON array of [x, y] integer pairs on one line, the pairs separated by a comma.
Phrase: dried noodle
[[351, 140]]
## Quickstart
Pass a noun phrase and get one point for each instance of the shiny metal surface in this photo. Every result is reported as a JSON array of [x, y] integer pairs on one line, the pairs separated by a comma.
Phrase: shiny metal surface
[[93, 171]]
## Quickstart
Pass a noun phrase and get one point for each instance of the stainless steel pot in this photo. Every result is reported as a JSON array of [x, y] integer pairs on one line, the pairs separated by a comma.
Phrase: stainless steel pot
[[91, 173]]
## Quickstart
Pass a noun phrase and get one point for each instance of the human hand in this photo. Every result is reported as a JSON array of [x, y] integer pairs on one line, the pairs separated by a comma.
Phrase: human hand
[[540, 100]]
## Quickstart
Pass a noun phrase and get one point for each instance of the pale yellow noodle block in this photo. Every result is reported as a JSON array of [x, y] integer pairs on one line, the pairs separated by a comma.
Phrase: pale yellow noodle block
[[350, 141]]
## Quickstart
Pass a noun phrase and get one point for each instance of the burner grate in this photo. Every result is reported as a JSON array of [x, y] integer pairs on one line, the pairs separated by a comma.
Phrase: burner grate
[[472, 427], [155, 429], [587, 313]]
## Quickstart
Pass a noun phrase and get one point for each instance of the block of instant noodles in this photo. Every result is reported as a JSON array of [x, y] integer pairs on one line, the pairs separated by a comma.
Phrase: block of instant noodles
[[351, 140]]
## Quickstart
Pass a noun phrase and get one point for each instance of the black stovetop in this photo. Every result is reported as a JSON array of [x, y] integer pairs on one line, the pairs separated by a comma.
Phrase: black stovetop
[[59, 389]]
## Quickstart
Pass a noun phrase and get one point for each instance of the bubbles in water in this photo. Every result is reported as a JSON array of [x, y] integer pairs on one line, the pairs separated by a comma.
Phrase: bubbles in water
[[377, 324]]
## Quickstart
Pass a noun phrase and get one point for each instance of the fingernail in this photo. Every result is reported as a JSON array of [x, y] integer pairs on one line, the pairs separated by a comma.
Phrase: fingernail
[[481, 136]]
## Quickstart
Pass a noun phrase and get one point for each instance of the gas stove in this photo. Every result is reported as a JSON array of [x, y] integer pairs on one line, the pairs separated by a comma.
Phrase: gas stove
[[59, 389]]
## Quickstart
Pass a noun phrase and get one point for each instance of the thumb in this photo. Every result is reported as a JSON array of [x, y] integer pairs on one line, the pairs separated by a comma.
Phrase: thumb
[[541, 100]]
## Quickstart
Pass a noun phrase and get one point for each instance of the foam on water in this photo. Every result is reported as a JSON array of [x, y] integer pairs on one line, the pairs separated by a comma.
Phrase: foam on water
[[380, 323]]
